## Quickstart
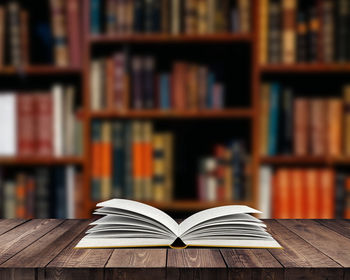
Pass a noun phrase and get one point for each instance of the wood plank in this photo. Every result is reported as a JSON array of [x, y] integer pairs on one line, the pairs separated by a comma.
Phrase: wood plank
[[137, 264], [77, 263], [8, 224], [43, 250], [196, 264], [329, 242], [22, 236], [17, 273], [340, 226], [252, 264], [301, 259]]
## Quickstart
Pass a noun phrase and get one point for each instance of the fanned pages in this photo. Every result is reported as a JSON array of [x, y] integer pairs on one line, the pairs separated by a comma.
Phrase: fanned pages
[[128, 223]]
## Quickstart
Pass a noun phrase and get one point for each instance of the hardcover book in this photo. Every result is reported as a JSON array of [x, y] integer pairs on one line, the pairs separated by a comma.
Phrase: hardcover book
[[133, 224]]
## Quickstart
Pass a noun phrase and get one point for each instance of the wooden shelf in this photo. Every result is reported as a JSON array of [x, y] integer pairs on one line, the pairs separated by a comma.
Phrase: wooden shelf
[[166, 38], [39, 70], [188, 205], [226, 113], [306, 68], [40, 160], [276, 160]]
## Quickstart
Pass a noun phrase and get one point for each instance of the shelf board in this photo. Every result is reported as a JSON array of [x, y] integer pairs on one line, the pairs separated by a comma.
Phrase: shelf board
[[306, 68], [226, 113], [168, 38], [40, 160], [39, 70], [189, 205], [276, 160]]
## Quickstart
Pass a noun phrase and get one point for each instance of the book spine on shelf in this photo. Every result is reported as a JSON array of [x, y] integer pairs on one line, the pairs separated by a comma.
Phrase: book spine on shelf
[[342, 30], [281, 194], [175, 17], [110, 16], [69, 120], [237, 171], [30, 198], [139, 16], [244, 8], [73, 27], [265, 192], [274, 32], [169, 167], [297, 193], [149, 69], [128, 148], [190, 16], [264, 118], [289, 8], [302, 31], [58, 129], [286, 124], [318, 122], [165, 16], [314, 34], [96, 160], [335, 114], [263, 23], [42, 194], [312, 193], [165, 93], [327, 191], [273, 118], [9, 200], [301, 126], [14, 44], [8, 124], [192, 87], [137, 151], [137, 85], [202, 17], [110, 83], [26, 125], [147, 159], [179, 85], [21, 196], [219, 152], [129, 16], [24, 37], [95, 27], [159, 167], [203, 86], [118, 174], [210, 86], [106, 161], [341, 181], [148, 19], [346, 139], [328, 30], [59, 176], [70, 192]]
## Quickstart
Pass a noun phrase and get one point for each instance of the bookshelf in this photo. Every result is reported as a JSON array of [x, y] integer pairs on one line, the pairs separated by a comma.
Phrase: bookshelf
[[249, 113]]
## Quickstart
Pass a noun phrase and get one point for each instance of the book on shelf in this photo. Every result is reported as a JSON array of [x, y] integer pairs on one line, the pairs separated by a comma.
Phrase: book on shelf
[[40, 193], [170, 16], [292, 31], [130, 159], [122, 82], [302, 193], [156, 228], [315, 126], [226, 176], [42, 124]]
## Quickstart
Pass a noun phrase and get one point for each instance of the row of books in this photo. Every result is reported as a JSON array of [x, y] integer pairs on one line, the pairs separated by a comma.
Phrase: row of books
[[189, 86], [304, 31], [170, 16], [40, 124], [41, 193], [227, 175], [65, 29], [131, 160], [303, 126], [304, 193]]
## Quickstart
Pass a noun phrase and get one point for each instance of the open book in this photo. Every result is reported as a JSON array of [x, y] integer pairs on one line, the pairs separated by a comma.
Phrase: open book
[[129, 223]]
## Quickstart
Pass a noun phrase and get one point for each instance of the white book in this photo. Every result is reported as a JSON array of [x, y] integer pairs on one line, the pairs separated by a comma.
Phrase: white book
[[129, 223], [58, 132], [8, 124], [265, 175], [96, 85], [70, 194]]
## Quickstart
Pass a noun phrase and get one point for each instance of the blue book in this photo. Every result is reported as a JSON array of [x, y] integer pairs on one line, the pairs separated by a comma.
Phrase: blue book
[[209, 97], [60, 193], [273, 119], [95, 27], [138, 15], [164, 87], [96, 134], [118, 159]]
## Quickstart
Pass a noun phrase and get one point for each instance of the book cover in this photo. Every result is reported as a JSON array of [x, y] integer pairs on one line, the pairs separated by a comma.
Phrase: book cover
[[26, 134], [273, 119], [282, 194], [274, 32], [74, 35], [301, 126], [118, 174], [335, 115], [95, 27], [44, 124], [327, 191], [137, 160], [318, 122]]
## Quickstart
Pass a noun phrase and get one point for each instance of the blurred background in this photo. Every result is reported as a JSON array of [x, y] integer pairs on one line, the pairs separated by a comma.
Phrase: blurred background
[[184, 105]]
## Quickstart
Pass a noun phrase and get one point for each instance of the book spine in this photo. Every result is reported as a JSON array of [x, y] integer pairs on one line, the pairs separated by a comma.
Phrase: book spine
[[287, 122], [274, 32], [169, 159], [73, 27], [69, 191], [192, 87], [179, 85], [220, 152], [273, 118], [218, 96], [68, 120], [328, 31], [26, 125], [128, 148], [237, 171], [129, 15], [2, 36], [96, 160], [30, 198], [42, 194], [265, 175], [60, 209], [264, 118], [318, 121], [148, 16], [110, 16], [96, 85], [327, 191], [302, 31], [281, 195], [139, 16], [301, 126], [264, 23], [312, 193], [149, 68], [8, 124], [119, 82], [190, 16], [24, 37], [44, 122], [210, 87], [147, 159], [202, 17], [21, 197], [298, 194], [159, 167], [58, 133], [203, 86], [14, 33], [165, 91], [118, 159], [346, 138], [175, 17], [106, 161], [95, 27], [341, 182], [137, 83], [59, 32], [110, 84], [288, 36], [314, 34], [165, 16], [335, 114], [9, 200], [244, 9], [210, 180], [342, 31], [137, 151]]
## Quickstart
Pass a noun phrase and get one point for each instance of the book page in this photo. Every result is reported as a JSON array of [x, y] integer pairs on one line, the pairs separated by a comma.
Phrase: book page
[[213, 213], [122, 242], [143, 209]]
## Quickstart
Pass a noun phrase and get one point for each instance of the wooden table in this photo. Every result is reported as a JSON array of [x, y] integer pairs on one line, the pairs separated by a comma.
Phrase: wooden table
[[43, 249]]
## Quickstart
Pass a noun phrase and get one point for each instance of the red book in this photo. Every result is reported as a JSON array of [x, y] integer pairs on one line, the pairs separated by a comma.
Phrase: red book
[[312, 194], [74, 35], [179, 86], [327, 194], [281, 195], [25, 125], [44, 129]]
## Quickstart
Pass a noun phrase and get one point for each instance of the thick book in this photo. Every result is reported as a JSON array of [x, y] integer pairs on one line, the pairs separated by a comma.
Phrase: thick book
[[133, 224]]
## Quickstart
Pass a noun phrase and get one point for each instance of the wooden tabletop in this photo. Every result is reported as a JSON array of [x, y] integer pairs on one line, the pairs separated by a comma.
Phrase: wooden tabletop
[[44, 249]]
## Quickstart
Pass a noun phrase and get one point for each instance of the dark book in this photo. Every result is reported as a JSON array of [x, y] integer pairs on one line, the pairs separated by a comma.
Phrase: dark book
[[274, 32], [118, 137], [14, 33], [148, 19], [339, 195], [139, 16], [30, 198], [95, 27], [237, 170], [128, 176], [302, 30], [149, 81], [165, 16], [60, 192], [342, 30], [42, 193], [286, 124], [96, 135], [313, 34], [137, 83], [328, 30]]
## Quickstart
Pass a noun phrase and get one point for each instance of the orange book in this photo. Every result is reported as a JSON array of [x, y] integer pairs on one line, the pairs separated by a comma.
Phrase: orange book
[[335, 115], [301, 126], [312, 193], [281, 194], [106, 161], [21, 197], [137, 166], [347, 198], [96, 163], [327, 194], [297, 194], [110, 83], [147, 160]]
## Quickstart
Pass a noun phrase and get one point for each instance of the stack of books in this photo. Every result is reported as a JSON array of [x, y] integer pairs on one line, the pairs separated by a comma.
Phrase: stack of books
[[227, 176], [40, 193], [170, 16], [304, 31], [188, 86], [303, 126], [304, 193], [131, 160], [41, 124], [64, 35]]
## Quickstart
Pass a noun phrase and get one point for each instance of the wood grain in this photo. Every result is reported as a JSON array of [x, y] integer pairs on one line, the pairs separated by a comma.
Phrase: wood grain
[[196, 264], [8, 224], [137, 264], [329, 242], [340, 226]]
